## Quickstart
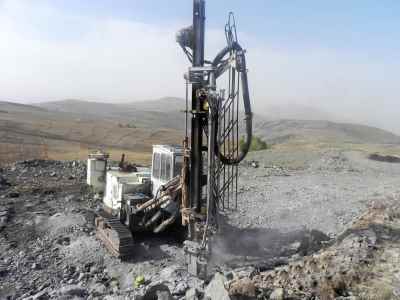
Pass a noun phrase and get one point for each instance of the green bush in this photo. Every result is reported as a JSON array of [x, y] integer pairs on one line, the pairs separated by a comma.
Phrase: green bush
[[256, 144], [128, 125]]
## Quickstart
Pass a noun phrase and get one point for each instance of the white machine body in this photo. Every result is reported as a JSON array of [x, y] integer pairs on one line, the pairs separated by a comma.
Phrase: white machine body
[[122, 183], [118, 185], [96, 171]]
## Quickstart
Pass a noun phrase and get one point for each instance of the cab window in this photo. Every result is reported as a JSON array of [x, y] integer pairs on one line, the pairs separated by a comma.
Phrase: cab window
[[168, 167], [156, 165], [165, 167], [178, 165]]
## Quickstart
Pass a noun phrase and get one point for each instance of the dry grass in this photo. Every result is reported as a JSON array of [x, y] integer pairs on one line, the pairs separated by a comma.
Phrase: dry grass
[[45, 135], [81, 153], [14, 152], [317, 145]]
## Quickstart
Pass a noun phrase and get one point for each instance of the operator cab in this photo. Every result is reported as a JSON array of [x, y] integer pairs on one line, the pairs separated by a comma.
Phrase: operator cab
[[166, 164]]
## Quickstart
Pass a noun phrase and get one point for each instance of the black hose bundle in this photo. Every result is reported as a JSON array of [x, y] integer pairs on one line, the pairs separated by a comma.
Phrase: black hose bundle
[[241, 65]]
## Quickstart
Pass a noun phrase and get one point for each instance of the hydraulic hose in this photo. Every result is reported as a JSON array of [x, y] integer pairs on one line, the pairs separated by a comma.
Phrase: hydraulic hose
[[241, 65]]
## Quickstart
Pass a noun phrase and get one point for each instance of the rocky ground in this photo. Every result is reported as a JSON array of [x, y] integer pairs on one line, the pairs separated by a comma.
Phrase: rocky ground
[[317, 190], [362, 263], [48, 246], [292, 208]]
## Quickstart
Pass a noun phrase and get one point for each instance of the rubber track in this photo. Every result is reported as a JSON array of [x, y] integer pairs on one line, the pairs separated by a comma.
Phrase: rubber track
[[115, 235]]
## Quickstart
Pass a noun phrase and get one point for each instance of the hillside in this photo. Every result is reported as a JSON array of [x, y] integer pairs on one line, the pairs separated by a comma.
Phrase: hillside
[[294, 111], [165, 104], [323, 131], [32, 132], [7, 106], [165, 112], [67, 129]]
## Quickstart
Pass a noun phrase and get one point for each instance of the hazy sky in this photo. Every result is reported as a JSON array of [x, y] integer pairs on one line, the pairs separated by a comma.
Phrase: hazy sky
[[339, 56]]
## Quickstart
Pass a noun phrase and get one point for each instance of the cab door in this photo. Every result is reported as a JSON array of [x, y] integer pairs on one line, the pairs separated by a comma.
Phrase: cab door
[[161, 170], [178, 163], [156, 172]]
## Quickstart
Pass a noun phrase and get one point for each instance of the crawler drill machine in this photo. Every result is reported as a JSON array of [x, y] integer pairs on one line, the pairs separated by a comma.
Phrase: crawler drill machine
[[190, 184]]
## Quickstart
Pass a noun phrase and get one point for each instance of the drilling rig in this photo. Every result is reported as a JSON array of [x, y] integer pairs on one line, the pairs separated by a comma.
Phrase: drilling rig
[[218, 132], [210, 168]]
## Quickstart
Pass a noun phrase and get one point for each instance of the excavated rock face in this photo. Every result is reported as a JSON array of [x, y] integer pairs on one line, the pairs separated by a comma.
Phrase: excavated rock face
[[4, 184], [367, 252]]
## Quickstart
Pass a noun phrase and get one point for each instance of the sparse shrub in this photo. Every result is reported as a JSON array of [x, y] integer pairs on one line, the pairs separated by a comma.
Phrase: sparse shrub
[[256, 144], [129, 125]]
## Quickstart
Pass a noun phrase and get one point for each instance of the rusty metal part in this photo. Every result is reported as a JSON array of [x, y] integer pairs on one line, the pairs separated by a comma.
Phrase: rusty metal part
[[126, 167], [168, 191], [154, 219], [164, 224], [116, 237], [185, 205], [152, 203]]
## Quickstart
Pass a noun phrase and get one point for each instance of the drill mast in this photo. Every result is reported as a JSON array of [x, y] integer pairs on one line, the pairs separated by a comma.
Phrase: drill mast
[[211, 164]]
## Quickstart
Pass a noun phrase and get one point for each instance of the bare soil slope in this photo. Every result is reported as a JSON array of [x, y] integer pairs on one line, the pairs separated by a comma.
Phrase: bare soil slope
[[161, 113], [33, 132], [318, 131]]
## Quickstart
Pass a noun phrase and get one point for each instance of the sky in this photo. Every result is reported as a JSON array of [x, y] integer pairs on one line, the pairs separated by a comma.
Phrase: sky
[[342, 57]]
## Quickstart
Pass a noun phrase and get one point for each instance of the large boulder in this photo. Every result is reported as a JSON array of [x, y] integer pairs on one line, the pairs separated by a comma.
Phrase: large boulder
[[242, 288], [216, 288], [72, 292]]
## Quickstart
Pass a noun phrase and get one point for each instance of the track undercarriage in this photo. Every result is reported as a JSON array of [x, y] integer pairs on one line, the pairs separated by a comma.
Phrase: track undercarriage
[[116, 236]]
